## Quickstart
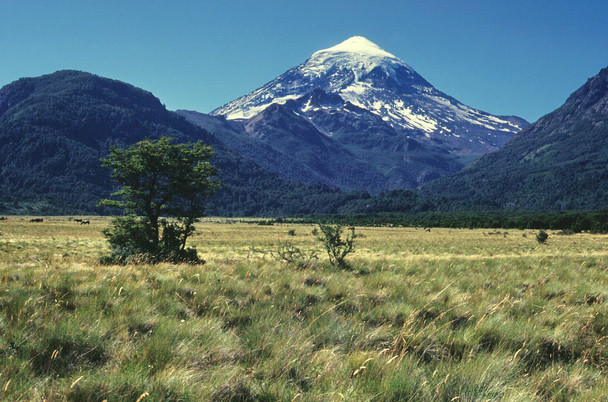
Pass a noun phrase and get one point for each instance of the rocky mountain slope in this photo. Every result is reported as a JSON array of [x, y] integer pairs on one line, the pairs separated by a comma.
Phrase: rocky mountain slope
[[559, 162]]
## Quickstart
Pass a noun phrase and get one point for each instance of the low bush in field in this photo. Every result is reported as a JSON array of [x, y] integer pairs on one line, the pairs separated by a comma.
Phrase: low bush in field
[[288, 252], [542, 237], [337, 247]]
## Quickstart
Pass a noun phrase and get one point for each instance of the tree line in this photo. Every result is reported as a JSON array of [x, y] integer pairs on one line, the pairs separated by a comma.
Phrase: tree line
[[595, 222]]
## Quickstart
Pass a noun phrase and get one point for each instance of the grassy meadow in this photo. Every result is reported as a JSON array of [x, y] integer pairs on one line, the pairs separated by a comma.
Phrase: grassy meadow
[[447, 315]]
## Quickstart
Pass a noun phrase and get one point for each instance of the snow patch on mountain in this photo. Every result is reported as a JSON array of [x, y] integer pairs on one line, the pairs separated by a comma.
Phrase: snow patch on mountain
[[358, 45]]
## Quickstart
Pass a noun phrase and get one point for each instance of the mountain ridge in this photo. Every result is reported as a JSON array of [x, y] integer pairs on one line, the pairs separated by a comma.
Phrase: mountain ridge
[[557, 163]]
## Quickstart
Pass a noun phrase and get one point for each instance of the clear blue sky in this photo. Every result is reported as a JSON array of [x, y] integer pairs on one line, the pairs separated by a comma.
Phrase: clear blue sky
[[504, 57]]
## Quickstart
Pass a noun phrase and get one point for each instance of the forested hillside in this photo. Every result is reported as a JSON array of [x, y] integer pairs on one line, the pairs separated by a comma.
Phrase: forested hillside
[[54, 129]]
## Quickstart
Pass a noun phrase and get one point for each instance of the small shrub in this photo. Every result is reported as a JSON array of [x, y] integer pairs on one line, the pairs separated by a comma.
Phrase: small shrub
[[287, 252], [337, 248], [310, 281], [291, 232], [542, 237], [253, 250]]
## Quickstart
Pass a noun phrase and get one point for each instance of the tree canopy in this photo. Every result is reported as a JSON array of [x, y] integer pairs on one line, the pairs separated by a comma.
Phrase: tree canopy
[[159, 179]]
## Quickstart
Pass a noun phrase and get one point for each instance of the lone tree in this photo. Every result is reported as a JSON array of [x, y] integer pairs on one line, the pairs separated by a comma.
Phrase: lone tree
[[158, 180]]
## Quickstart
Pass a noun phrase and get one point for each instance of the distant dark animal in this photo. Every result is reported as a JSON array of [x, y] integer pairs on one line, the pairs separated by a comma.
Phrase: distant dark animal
[[36, 220], [427, 229], [85, 222], [2, 218], [77, 220], [351, 228]]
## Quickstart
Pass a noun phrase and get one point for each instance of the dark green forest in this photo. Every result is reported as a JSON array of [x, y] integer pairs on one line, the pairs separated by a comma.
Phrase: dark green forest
[[566, 222]]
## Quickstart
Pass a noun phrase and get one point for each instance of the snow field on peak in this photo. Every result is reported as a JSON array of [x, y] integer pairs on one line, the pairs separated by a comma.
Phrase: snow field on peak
[[357, 54], [358, 45]]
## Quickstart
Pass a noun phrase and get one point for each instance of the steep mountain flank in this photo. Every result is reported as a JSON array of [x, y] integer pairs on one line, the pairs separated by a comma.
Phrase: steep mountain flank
[[559, 162]]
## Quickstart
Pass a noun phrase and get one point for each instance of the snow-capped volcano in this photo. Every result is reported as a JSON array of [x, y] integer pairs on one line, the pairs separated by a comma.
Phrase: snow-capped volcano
[[365, 75], [356, 117]]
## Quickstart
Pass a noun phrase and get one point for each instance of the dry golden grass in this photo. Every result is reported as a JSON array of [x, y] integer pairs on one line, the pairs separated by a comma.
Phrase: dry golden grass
[[445, 315]]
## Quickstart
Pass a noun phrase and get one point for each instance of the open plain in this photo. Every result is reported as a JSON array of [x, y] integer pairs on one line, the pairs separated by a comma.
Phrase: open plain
[[450, 314]]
